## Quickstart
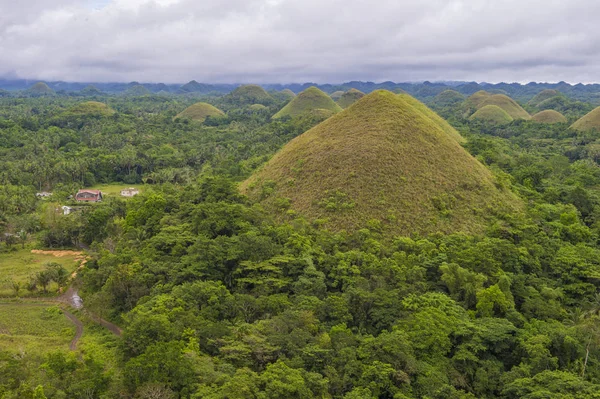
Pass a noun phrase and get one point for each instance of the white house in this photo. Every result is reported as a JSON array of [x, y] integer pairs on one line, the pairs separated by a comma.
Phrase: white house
[[129, 192], [67, 210]]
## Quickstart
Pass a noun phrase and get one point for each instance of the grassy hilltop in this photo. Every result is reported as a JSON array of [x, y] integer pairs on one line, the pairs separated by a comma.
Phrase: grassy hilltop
[[382, 158], [492, 114], [549, 116], [309, 100], [199, 112]]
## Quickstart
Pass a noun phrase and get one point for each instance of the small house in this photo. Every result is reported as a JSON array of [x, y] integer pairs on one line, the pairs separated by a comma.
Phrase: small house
[[67, 210], [88, 196], [43, 194], [129, 192]]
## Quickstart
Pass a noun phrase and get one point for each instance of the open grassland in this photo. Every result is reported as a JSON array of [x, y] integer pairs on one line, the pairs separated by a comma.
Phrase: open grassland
[[114, 190], [19, 266], [29, 328]]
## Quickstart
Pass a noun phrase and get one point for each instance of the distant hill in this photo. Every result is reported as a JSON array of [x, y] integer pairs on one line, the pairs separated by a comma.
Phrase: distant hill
[[381, 159], [589, 122], [448, 98], [199, 112], [288, 93], [543, 96], [91, 108], [91, 90], [308, 100], [137, 91], [350, 97], [194, 87], [492, 114], [40, 89], [251, 94], [549, 116], [336, 95], [476, 100]]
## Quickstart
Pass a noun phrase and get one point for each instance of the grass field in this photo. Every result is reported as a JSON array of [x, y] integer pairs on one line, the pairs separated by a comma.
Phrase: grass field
[[34, 328], [114, 190], [18, 266]]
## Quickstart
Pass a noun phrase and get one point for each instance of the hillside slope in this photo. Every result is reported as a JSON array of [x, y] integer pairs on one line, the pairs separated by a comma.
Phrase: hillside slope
[[383, 159], [590, 121]]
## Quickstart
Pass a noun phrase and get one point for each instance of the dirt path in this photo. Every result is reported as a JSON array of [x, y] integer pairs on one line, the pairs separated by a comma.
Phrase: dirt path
[[78, 326], [71, 297]]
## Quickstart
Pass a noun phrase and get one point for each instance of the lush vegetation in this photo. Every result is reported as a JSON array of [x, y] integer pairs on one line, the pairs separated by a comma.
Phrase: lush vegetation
[[224, 296]]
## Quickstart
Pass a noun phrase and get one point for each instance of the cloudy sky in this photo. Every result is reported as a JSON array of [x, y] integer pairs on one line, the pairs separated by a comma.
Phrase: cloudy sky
[[271, 41]]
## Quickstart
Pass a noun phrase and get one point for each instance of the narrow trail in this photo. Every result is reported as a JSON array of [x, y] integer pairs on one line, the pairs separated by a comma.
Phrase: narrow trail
[[78, 327]]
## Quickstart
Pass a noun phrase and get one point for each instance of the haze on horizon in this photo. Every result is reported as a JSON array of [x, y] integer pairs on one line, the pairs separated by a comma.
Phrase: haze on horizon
[[282, 41]]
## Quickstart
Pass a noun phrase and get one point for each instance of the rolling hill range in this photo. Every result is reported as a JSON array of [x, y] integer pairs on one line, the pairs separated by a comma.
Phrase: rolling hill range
[[510, 106], [382, 158], [199, 112], [309, 100]]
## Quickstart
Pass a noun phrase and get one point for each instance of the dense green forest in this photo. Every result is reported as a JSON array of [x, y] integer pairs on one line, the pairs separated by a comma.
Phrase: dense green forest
[[217, 298]]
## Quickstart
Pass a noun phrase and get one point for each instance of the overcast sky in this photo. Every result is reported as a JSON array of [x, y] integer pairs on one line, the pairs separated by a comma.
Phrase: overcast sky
[[283, 41]]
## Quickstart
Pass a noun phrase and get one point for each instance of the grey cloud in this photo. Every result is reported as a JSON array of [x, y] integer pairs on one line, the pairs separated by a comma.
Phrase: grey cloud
[[300, 40]]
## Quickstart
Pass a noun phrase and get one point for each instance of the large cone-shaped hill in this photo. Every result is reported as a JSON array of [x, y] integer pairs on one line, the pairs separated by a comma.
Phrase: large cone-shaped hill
[[382, 158], [492, 114], [307, 101], [91, 108], [350, 97], [591, 121], [549, 116], [251, 94], [199, 112]]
